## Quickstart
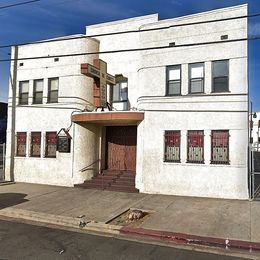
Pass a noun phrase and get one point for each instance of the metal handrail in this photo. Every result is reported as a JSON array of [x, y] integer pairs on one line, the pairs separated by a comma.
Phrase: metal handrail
[[86, 167]]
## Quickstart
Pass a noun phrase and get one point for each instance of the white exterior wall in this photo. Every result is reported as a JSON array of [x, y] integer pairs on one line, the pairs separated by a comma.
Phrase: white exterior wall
[[146, 73], [75, 94], [255, 130], [223, 111]]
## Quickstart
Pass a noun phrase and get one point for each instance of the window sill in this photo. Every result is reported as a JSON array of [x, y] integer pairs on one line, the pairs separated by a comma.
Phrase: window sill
[[173, 95], [220, 92]]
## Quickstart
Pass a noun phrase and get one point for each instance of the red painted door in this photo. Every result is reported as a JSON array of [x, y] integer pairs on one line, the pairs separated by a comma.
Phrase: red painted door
[[121, 147]]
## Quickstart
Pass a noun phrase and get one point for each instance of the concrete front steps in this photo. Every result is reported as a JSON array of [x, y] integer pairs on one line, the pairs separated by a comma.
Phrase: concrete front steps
[[123, 181]]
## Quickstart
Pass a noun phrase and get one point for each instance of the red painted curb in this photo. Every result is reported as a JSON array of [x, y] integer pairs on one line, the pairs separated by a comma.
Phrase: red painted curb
[[181, 238]]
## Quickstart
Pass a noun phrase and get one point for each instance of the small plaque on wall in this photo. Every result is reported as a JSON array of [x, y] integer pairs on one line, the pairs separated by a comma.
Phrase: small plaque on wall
[[63, 144], [64, 139]]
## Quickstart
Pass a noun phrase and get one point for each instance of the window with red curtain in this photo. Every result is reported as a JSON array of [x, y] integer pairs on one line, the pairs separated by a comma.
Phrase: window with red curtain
[[51, 144], [172, 140], [196, 146], [220, 147], [21, 144], [35, 144]]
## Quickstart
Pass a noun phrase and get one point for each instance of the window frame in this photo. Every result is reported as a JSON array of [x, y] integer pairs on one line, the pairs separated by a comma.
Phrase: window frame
[[22, 93], [51, 91], [168, 68], [17, 144], [112, 96], [212, 77], [165, 146], [228, 149], [46, 145], [203, 147], [31, 145], [35, 92], [203, 78]]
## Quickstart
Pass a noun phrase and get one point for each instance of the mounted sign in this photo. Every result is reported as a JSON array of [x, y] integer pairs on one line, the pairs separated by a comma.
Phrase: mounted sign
[[64, 140], [101, 77]]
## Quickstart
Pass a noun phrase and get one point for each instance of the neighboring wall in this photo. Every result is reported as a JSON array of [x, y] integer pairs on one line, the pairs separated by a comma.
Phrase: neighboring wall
[[3, 122], [256, 129], [75, 94]]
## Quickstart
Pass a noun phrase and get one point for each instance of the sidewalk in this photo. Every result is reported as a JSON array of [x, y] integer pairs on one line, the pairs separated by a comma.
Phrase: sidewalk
[[232, 219]]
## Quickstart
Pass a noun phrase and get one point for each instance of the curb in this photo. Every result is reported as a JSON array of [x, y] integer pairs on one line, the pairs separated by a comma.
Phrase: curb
[[78, 223], [2, 183], [100, 227], [181, 238]]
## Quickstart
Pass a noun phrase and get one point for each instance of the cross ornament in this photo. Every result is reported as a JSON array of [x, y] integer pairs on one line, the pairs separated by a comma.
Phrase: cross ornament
[[101, 78]]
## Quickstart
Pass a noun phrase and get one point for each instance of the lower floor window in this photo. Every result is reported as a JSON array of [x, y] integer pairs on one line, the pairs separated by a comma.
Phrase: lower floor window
[[35, 144], [220, 147], [21, 144], [51, 144], [196, 146], [172, 146]]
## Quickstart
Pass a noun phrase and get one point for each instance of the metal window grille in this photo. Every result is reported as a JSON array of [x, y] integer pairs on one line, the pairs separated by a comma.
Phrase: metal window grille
[[195, 147], [21, 144], [51, 144], [220, 147], [172, 140], [35, 144]]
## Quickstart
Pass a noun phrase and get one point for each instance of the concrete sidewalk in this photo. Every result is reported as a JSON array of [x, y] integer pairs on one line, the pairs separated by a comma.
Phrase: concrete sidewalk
[[232, 219]]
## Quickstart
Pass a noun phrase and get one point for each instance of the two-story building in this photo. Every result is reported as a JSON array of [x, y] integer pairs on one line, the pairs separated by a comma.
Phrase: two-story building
[[159, 106]]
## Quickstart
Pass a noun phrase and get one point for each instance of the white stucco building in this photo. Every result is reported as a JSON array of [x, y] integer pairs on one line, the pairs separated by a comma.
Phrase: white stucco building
[[255, 129], [179, 119]]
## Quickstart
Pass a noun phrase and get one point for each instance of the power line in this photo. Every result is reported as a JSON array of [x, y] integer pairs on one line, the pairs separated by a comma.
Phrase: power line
[[22, 3], [131, 31], [131, 50]]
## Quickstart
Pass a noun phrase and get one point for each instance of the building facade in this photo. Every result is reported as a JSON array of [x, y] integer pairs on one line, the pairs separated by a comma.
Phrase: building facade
[[173, 108], [255, 129]]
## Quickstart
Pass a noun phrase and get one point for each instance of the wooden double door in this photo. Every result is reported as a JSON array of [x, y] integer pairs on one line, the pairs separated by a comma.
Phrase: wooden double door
[[121, 148]]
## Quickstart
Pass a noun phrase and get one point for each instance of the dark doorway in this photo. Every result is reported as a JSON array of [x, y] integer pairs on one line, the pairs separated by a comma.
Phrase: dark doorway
[[121, 148]]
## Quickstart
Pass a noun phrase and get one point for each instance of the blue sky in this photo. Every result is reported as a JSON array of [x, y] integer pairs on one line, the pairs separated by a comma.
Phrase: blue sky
[[52, 18]]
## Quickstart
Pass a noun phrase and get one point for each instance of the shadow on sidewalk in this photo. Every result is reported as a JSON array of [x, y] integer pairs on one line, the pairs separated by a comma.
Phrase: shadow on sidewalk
[[11, 199]]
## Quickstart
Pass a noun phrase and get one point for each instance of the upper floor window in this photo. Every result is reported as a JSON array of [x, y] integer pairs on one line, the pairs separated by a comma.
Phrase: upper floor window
[[173, 86], [21, 144], [53, 88], [196, 74], [120, 95], [172, 141], [220, 147], [37, 91], [23, 92], [220, 75], [196, 146], [35, 144]]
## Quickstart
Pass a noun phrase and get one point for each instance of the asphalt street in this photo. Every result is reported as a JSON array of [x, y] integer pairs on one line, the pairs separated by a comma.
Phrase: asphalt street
[[24, 241]]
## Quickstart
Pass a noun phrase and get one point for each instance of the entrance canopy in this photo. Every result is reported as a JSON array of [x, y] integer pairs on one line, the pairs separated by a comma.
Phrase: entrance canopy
[[109, 118]]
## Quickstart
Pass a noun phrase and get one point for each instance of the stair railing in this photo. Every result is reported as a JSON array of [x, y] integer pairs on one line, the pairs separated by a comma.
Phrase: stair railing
[[87, 167]]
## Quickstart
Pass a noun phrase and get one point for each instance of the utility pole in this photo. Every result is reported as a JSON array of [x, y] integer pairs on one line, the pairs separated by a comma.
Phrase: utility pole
[[13, 80]]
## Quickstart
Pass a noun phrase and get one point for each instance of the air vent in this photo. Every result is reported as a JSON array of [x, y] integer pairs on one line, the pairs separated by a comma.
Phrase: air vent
[[171, 44], [21, 64], [56, 59], [224, 37]]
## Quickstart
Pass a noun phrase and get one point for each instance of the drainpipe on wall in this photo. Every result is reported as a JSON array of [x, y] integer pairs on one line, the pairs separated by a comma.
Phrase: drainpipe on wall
[[13, 80]]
